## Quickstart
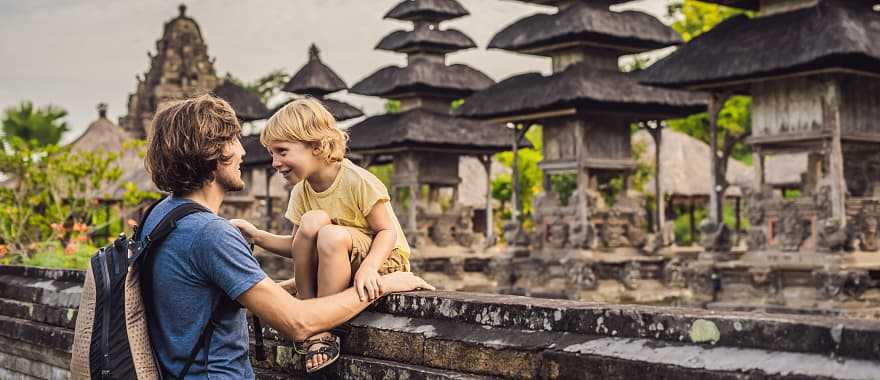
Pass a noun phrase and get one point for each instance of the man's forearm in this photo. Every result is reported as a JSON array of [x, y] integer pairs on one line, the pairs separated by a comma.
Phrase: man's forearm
[[298, 319], [278, 244]]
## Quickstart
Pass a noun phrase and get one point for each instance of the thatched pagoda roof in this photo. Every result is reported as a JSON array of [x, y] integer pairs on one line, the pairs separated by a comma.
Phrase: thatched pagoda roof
[[832, 35], [315, 78], [583, 87], [422, 76], [422, 128], [104, 135], [247, 105], [585, 24], [427, 10], [685, 169], [340, 110], [426, 39], [255, 153]]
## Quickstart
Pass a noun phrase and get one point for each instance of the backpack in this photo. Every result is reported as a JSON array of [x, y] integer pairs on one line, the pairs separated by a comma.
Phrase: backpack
[[111, 340]]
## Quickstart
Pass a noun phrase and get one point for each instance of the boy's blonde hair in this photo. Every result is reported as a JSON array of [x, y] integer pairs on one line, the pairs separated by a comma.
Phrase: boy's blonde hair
[[307, 121]]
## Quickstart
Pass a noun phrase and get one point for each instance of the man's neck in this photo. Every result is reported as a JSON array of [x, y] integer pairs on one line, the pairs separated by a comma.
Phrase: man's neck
[[210, 196], [322, 179]]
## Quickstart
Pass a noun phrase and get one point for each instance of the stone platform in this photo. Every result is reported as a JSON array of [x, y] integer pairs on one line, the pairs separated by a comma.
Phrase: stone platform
[[456, 335]]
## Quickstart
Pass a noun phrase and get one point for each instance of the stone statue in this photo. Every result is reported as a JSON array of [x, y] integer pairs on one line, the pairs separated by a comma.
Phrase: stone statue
[[715, 238], [868, 233], [831, 237], [792, 229], [630, 274]]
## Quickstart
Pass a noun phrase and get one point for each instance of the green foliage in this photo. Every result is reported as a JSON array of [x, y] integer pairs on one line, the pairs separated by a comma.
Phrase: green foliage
[[692, 17], [51, 203], [36, 126], [682, 224], [266, 86], [383, 172], [392, 106], [530, 175]]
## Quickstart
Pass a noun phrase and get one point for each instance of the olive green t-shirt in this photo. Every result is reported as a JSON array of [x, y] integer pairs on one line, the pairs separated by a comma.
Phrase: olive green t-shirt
[[348, 201]]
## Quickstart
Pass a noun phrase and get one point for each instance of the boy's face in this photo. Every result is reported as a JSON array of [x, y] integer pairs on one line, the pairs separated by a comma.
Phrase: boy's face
[[294, 160]]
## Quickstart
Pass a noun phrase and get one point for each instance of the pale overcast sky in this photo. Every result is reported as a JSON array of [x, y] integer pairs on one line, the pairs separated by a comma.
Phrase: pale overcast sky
[[76, 53]]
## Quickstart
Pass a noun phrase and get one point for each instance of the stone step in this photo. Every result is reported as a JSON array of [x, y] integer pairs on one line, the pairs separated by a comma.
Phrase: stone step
[[807, 334], [68, 275], [524, 354], [58, 293], [36, 333], [29, 368], [55, 316]]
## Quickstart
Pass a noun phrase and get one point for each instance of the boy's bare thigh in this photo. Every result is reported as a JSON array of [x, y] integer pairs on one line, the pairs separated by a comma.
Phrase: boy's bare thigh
[[360, 247]]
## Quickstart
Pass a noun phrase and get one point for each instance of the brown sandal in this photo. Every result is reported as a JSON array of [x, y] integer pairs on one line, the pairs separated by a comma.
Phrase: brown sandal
[[331, 349]]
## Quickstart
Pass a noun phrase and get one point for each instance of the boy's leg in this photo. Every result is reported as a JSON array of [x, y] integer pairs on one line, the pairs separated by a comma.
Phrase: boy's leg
[[334, 271], [305, 253]]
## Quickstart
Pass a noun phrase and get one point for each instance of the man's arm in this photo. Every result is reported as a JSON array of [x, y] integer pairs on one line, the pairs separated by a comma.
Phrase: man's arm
[[299, 320]]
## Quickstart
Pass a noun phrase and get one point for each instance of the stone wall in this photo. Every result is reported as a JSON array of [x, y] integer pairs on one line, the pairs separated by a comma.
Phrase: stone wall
[[452, 335]]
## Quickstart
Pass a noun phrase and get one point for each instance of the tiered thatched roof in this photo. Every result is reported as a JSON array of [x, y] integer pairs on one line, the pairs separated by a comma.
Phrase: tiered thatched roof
[[583, 87], [744, 4], [584, 24], [835, 34], [247, 105], [427, 10], [315, 78], [423, 76], [428, 39], [558, 2], [420, 128]]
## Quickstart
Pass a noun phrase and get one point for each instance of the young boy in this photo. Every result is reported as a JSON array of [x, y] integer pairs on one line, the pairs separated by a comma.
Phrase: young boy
[[345, 231]]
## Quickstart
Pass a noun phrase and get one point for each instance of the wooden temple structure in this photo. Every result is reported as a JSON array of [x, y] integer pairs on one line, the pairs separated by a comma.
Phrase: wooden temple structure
[[812, 69], [424, 140], [586, 107]]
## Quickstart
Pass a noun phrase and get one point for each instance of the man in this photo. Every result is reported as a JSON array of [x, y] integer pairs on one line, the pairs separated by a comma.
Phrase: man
[[194, 153]]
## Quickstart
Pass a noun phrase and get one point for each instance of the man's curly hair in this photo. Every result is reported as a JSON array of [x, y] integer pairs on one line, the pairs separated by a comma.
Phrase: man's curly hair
[[186, 143]]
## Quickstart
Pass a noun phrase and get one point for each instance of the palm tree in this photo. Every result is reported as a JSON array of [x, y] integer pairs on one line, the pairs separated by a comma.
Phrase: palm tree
[[42, 126]]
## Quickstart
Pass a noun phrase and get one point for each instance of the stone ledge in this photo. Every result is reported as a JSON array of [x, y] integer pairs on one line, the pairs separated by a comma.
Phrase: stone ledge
[[41, 290], [808, 334], [40, 334], [55, 316]]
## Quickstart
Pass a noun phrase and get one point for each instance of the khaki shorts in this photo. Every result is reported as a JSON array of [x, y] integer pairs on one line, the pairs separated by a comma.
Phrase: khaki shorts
[[360, 247]]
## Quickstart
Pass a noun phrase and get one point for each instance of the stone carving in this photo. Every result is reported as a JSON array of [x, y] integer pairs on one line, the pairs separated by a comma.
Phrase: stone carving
[[700, 279], [766, 278], [792, 229], [831, 237], [756, 235], [829, 283], [630, 275], [868, 231], [822, 200], [581, 276], [557, 235], [842, 285], [715, 238], [674, 274]]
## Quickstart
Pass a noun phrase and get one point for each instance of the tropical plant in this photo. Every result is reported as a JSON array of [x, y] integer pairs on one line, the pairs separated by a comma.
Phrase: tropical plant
[[35, 126]]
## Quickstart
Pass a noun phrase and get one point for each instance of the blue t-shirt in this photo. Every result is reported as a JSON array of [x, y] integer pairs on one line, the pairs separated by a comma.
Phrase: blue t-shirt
[[204, 259]]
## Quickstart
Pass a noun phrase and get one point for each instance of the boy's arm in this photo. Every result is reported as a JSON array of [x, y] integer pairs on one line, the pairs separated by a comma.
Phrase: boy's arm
[[278, 244], [367, 281], [299, 320]]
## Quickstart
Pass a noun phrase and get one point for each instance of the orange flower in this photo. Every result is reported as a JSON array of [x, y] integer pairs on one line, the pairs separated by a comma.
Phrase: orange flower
[[79, 227], [59, 230], [132, 223], [70, 248], [82, 238], [3, 250]]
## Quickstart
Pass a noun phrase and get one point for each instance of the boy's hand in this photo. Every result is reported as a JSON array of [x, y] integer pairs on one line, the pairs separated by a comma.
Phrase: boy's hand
[[247, 228], [404, 282], [368, 283]]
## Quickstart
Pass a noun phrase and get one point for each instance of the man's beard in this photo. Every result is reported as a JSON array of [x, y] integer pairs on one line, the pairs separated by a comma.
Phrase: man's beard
[[229, 183]]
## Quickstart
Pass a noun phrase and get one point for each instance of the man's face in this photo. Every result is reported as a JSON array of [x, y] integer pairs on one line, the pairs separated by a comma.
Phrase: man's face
[[229, 174], [294, 160]]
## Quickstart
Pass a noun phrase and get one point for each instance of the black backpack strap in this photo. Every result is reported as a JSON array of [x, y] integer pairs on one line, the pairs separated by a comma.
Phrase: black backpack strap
[[204, 340]]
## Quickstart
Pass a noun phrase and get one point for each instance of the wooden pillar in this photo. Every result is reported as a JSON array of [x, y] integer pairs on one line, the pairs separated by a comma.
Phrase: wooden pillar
[[269, 218], [692, 221], [413, 204], [831, 118], [716, 103], [656, 130], [758, 163], [514, 195], [490, 225]]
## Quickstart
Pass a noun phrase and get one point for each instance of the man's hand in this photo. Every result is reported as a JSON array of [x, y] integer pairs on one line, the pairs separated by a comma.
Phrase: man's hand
[[247, 228], [368, 283], [289, 285], [404, 282]]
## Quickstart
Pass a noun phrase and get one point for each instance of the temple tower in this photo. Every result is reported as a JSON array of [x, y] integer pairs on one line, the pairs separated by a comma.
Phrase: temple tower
[[423, 140], [180, 68]]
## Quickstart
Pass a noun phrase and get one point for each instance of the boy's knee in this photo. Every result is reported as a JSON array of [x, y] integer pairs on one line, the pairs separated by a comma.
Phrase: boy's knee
[[332, 240], [313, 221]]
